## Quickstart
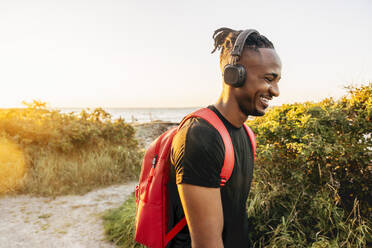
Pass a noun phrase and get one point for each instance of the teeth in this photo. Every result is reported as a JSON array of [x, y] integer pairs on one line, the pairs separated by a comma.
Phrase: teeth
[[265, 100]]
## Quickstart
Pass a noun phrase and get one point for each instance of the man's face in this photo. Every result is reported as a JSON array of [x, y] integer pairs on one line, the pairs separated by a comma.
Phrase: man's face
[[263, 69]]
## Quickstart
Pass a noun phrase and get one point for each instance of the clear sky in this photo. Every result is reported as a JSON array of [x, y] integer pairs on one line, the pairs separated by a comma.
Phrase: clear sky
[[106, 53]]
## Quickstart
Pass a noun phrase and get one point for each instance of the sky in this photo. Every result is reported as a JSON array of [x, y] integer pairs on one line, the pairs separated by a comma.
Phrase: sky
[[106, 53]]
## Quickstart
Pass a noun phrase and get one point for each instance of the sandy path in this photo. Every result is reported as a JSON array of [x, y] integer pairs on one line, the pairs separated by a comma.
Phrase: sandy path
[[66, 221]]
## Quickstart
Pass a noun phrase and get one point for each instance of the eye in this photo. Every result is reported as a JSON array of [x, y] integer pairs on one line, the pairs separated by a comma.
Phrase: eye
[[268, 79]]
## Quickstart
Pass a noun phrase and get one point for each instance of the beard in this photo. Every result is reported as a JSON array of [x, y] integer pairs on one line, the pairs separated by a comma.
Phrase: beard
[[257, 113], [252, 112]]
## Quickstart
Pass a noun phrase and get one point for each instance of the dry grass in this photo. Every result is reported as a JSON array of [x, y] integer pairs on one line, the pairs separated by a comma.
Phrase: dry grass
[[54, 173], [12, 165], [51, 154]]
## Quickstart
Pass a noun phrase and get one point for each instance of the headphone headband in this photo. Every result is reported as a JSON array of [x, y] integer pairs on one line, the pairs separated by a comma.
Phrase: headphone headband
[[239, 43]]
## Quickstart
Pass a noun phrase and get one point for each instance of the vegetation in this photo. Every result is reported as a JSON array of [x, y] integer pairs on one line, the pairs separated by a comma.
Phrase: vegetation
[[119, 224], [311, 178], [68, 153]]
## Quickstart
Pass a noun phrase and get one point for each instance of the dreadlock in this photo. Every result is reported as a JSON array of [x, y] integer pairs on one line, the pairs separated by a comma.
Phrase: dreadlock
[[224, 40]]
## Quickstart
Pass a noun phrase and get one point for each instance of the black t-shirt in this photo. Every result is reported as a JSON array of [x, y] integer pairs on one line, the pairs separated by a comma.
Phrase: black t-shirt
[[197, 156]]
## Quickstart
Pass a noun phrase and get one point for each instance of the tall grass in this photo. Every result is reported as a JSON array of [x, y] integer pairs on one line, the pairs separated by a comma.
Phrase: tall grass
[[119, 224], [68, 153], [12, 165], [282, 215]]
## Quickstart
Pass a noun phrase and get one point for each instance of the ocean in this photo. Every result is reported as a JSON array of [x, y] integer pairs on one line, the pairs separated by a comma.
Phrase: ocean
[[141, 115]]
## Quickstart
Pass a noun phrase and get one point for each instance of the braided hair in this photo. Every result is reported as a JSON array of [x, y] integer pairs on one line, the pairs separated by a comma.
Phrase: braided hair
[[224, 40]]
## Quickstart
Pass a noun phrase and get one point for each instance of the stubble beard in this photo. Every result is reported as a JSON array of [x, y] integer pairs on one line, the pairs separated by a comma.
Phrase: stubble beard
[[248, 112]]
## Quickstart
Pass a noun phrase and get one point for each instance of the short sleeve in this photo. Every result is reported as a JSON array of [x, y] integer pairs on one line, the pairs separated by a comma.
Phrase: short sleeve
[[197, 153]]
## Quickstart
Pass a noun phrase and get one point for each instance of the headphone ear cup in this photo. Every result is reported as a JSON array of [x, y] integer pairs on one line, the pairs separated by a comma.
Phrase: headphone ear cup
[[234, 75]]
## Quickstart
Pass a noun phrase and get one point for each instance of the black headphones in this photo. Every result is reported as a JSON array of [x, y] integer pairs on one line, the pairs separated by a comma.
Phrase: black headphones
[[235, 74]]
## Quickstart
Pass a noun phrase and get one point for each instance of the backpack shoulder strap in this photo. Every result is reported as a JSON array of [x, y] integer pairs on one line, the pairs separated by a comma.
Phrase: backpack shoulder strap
[[252, 138], [215, 121]]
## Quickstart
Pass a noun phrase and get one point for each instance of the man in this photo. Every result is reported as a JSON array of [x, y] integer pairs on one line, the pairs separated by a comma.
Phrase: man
[[216, 216]]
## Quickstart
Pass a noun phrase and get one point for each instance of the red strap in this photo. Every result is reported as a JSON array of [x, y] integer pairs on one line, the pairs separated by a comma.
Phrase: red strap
[[215, 121], [176, 229]]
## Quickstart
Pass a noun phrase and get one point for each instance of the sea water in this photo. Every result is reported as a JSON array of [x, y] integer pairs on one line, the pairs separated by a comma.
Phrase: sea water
[[141, 115]]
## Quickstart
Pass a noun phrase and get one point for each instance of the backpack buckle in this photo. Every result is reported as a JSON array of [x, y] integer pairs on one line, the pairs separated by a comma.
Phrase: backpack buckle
[[223, 181]]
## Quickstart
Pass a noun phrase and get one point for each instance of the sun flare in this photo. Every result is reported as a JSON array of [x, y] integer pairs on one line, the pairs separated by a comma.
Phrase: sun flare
[[12, 165]]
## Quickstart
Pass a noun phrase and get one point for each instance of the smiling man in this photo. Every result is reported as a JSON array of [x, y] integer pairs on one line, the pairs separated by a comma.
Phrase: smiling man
[[216, 216]]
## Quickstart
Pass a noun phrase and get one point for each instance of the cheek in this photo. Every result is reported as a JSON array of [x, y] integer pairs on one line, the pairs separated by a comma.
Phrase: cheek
[[245, 95], [251, 88], [260, 87], [252, 82]]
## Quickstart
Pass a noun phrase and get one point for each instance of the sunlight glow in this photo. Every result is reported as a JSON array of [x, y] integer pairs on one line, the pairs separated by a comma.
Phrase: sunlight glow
[[12, 165]]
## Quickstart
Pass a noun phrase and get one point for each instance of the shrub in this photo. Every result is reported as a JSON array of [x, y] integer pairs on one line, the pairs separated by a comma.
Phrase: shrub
[[69, 153], [312, 173]]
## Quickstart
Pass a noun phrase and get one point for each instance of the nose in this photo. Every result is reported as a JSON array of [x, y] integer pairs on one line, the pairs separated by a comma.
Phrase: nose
[[274, 90]]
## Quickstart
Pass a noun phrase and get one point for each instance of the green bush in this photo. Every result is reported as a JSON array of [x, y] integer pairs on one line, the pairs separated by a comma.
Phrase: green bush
[[330, 141], [312, 172], [65, 132]]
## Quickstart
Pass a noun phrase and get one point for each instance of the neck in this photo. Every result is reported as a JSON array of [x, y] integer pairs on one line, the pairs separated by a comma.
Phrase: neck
[[230, 109]]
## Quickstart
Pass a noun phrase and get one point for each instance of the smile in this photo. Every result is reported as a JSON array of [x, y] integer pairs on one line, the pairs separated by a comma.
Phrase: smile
[[265, 101]]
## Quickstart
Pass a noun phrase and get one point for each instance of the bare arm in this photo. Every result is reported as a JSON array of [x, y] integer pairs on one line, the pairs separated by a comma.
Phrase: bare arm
[[203, 210]]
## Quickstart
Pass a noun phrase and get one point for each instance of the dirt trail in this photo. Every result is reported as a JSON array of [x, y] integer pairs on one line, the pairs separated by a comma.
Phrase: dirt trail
[[66, 221]]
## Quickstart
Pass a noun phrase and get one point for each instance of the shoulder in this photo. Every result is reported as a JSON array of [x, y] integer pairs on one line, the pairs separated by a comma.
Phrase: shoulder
[[198, 132], [197, 153]]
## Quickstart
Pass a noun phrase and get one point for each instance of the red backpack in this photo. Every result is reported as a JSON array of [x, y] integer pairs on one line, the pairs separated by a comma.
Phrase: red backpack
[[152, 190]]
